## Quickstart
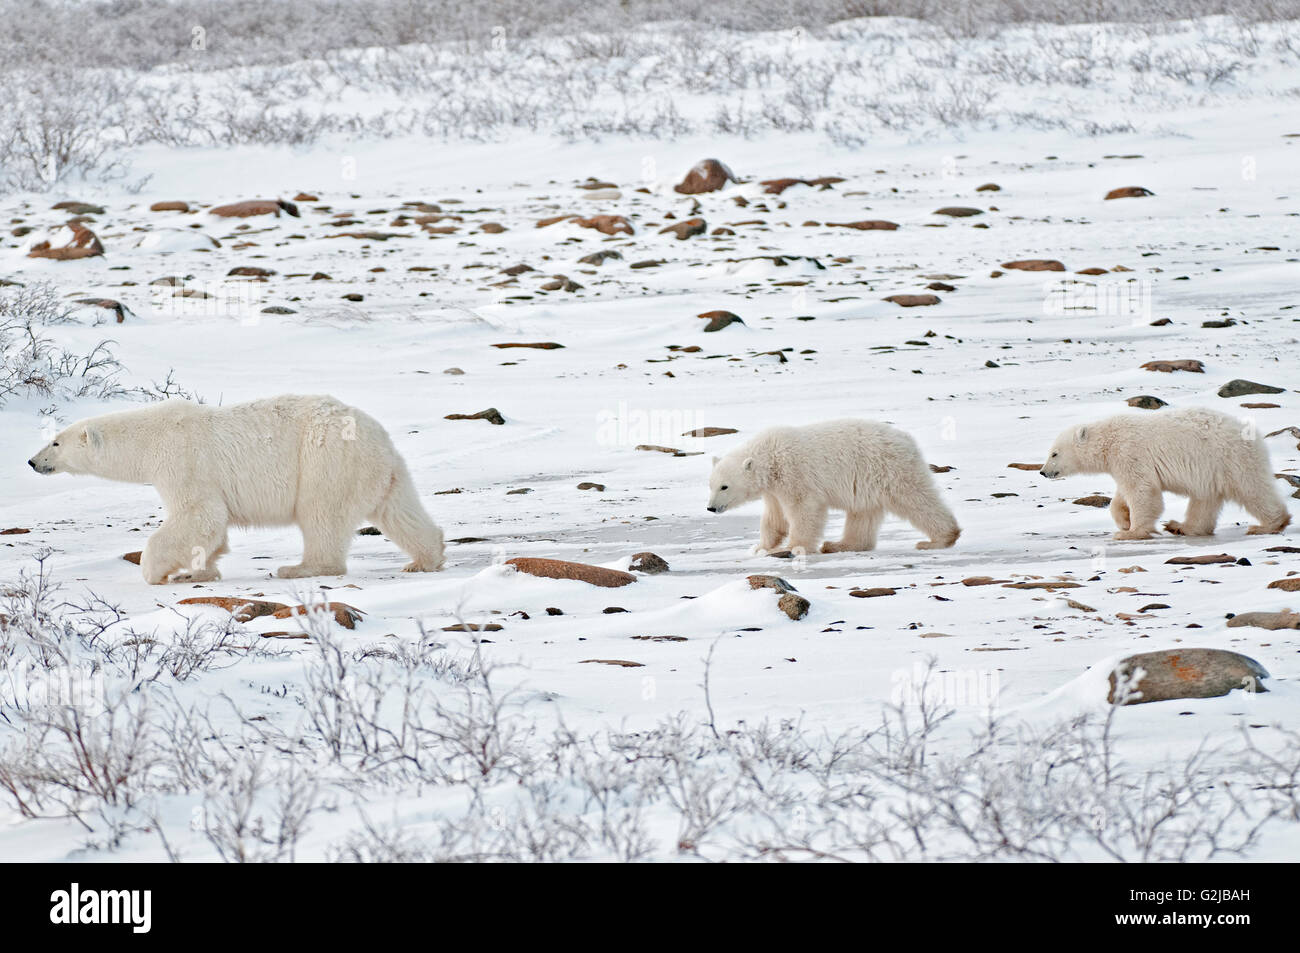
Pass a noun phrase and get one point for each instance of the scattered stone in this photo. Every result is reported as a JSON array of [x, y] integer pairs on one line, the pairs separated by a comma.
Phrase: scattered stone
[[243, 610], [1289, 584], [344, 614], [473, 627], [1186, 673], [540, 345], [1091, 271], [1035, 264], [1129, 192], [170, 207], [777, 186], [708, 175], [958, 211], [982, 581], [1146, 402], [563, 569], [133, 557], [719, 319], [1203, 560], [492, 228], [598, 487], [648, 563], [612, 661], [256, 207], [1025, 466], [1167, 367], [598, 258], [73, 207], [686, 229], [1096, 500], [249, 271], [14, 531], [989, 187], [672, 450], [1052, 585], [1240, 388], [793, 605], [913, 301], [872, 593], [607, 224], [710, 432], [762, 581], [66, 243], [116, 308], [491, 415], [869, 225]]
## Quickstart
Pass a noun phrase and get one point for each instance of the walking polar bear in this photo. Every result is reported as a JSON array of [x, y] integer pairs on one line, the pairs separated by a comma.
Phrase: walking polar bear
[[306, 460], [863, 467], [1207, 456]]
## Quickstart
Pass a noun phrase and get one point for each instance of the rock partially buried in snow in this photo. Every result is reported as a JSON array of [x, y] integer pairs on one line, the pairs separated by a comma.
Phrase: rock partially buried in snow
[[648, 563], [793, 605], [563, 569], [867, 225], [243, 610], [1186, 673], [1034, 264], [1240, 388], [913, 301], [958, 211], [275, 207], [708, 175], [719, 320], [686, 229], [491, 415], [1146, 402], [1129, 192], [67, 243], [1167, 367], [344, 614]]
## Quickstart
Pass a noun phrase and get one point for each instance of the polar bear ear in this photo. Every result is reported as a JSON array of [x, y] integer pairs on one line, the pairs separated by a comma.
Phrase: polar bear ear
[[91, 437], [749, 463], [1081, 435], [715, 460]]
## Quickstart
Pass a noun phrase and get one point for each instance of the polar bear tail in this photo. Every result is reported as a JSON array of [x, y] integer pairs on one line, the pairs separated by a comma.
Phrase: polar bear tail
[[402, 518]]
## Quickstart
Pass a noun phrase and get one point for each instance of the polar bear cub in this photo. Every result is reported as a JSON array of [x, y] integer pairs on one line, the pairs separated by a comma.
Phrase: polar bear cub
[[309, 461], [865, 468], [1209, 457]]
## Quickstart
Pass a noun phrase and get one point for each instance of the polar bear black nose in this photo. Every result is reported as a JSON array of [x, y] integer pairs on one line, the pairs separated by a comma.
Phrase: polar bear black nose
[[713, 509], [32, 464]]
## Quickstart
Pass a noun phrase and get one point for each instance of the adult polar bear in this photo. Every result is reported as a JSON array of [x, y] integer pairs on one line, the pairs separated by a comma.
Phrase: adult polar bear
[[860, 466], [306, 460], [1207, 456]]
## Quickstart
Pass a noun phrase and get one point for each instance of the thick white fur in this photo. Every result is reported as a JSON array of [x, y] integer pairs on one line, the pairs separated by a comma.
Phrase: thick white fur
[[1202, 454], [865, 468], [309, 461]]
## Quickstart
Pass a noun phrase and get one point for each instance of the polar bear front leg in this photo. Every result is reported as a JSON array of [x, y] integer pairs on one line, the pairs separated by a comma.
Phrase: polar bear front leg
[[807, 521], [773, 527], [1145, 503], [185, 548], [1119, 510]]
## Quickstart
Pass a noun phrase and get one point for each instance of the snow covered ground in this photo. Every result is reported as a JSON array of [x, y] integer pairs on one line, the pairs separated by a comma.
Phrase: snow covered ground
[[983, 379]]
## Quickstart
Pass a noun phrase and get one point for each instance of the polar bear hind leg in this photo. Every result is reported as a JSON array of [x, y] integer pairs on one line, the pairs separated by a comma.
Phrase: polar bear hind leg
[[1202, 515], [861, 528], [402, 518]]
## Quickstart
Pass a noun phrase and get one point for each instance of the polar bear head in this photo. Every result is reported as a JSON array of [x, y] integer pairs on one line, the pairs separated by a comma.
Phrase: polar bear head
[[1069, 455], [734, 481], [75, 450]]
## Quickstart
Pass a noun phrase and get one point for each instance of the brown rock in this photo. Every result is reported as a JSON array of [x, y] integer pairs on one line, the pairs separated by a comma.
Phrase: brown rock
[[242, 609], [256, 207], [492, 228], [306, 197], [872, 593], [1129, 192], [1091, 271], [344, 614], [982, 581], [913, 301], [538, 345], [1034, 264], [793, 605], [68, 242], [958, 211], [607, 224], [491, 415], [710, 432], [719, 319], [1146, 402], [133, 557], [1289, 584], [563, 569], [1166, 367], [1204, 560], [1187, 673], [116, 308], [648, 563], [989, 187], [708, 175], [868, 225], [761, 581], [686, 229], [598, 487], [777, 186], [1051, 585], [612, 661], [249, 271], [473, 627], [1025, 466], [1093, 501], [170, 207]]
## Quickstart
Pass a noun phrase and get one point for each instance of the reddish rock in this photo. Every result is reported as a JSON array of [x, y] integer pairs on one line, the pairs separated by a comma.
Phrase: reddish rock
[[242, 609], [170, 207], [607, 224], [1285, 619], [686, 229], [118, 310], [913, 301], [1129, 192], [719, 319], [344, 614], [1035, 264], [68, 242], [1168, 367], [958, 211], [256, 207], [708, 175], [869, 225], [564, 569], [648, 563], [1186, 673], [777, 186]]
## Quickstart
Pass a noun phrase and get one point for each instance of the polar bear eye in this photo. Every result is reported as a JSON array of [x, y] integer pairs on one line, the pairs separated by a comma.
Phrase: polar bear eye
[[56, 443], [723, 487]]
